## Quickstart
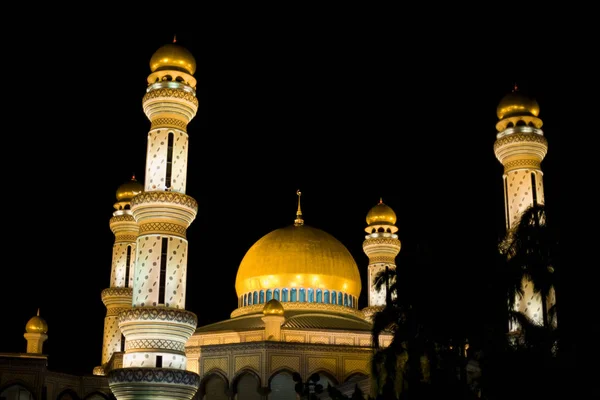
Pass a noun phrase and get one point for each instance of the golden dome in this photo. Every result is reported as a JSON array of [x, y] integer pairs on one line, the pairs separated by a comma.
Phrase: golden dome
[[126, 191], [381, 214], [173, 56], [515, 104], [273, 307], [36, 325], [298, 256]]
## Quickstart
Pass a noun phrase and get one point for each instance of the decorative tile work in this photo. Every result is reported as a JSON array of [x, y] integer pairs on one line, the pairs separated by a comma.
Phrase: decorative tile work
[[149, 375], [328, 364], [288, 361], [319, 339], [168, 122], [295, 338], [253, 338], [173, 93], [356, 365], [165, 197], [163, 227], [210, 363], [149, 344], [344, 340], [158, 314], [251, 361]]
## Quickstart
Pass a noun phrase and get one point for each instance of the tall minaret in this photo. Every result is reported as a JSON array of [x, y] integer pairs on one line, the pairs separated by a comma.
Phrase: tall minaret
[[521, 146], [381, 245], [157, 326], [117, 297]]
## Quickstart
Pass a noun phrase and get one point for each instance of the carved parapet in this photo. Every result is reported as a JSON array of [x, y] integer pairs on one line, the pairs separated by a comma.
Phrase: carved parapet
[[117, 297], [258, 308], [521, 150], [172, 326], [384, 249], [124, 227], [172, 212], [153, 383], [176, 103]]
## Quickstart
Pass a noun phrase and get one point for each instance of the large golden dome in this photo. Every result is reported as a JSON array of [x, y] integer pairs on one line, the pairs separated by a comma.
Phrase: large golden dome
[[173, 56], [381, 214], [516, 104], [36, 325], [126, 191], [298, 256]]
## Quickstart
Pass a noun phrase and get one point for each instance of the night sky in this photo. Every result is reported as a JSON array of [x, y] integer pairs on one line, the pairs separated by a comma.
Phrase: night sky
[[346, 117]]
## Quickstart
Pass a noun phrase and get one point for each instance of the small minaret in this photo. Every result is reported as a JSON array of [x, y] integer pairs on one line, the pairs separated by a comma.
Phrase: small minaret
[[35, 334], [381, 245], [273, 317], [157, 327], [117, 297], [521, 146]]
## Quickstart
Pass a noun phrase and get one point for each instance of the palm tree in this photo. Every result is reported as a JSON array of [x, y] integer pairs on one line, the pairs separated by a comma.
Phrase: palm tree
[[531, 252]]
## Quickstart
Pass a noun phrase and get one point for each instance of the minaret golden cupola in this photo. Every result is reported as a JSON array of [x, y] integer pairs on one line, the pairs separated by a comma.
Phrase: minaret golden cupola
[[521, 147], [36, 331], [381, 245], [301, 267], [157, 326], [117, 297]]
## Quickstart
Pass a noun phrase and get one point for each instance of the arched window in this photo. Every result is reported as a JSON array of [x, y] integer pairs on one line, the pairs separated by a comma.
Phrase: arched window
[[340, 298], [276, 294], [311, 295], [269, 294], [284, 294], [346, 299], [333, 297], [16, 392], [282, 387], [255, 299], [215, 388], [302, 295], [326, 297], [247, 386], [246, 299], [319, 296], [293, 296], [533, 188], [262, 297], [170, 140], [127, 266], [68, 394]]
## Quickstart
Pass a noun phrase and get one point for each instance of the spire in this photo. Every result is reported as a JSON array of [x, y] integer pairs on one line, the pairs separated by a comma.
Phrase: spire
[[299, 221], [515, 87], [175, 38], [38, 312], [381, 200]]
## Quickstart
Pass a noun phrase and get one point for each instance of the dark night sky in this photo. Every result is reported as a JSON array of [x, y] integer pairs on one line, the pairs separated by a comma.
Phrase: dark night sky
[[345, 116]]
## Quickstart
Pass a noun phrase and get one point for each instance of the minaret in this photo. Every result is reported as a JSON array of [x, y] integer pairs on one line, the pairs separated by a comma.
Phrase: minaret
[[35, 334], [521, 146], [157, 326], [381, 245], [117, 297]]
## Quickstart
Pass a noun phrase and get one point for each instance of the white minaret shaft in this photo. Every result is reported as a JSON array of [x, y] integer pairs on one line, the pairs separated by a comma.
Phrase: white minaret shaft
[[157, 326], [117, 297], [521, 146], [381, 245]]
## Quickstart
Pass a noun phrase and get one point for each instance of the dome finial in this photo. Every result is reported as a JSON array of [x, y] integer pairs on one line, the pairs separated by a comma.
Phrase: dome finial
[[380, 200], [38, 312], [299, 221], [175, 38], [515, 87]]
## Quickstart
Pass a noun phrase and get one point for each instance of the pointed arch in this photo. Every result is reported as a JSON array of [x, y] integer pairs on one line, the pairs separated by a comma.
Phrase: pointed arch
[[240, 375], [68, 394], [325, 373], [18, 383], [356, 376], [214, 373]]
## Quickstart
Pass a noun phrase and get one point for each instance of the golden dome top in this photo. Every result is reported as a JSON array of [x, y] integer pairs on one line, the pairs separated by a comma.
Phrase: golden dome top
[[516, 104], [173, 56], [36, 324], [298, 256], [273, 307], [381, 214], [126, 191]]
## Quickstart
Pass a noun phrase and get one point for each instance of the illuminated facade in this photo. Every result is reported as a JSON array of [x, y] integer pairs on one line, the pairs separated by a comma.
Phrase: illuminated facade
[[297, 290], [521, 146], [157, 326]]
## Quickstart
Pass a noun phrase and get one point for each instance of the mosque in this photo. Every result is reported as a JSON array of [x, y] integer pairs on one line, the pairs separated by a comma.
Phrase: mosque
[[297, 286]]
